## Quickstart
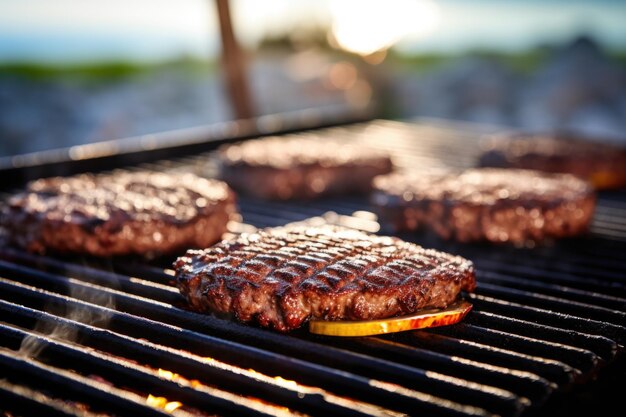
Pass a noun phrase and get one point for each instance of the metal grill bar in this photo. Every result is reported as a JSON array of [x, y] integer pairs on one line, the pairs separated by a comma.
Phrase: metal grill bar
[[545, 320], [556, 371], [581, 359], [87, 272], [157, 356], [566, 306], [570, 292], [122, 373], [527, 384], [548, 270], [30, 273], [65, 384], [21, 400], [601, 346], [122, 283], [548, 317], [288, 367]]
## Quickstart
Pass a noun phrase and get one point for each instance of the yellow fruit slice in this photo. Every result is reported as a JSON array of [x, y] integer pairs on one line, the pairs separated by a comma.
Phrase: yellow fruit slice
[[431, 317]]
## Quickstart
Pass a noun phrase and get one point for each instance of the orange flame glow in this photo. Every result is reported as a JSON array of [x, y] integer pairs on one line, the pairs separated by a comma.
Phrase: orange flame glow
[[169, 375], [163, 403]]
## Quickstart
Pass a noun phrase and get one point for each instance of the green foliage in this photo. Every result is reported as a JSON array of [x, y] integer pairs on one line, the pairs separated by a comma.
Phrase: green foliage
[[619, 56], [297, 38], [522, 61], [102, 71]]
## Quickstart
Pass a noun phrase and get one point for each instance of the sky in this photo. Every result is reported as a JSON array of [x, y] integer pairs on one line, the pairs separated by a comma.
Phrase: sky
[[152, 30]]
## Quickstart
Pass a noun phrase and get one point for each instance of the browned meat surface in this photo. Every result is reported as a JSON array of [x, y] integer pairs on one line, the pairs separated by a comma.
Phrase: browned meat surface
[[602, 163], [300, 167], [498, 205], [117, 214], [281, 277]]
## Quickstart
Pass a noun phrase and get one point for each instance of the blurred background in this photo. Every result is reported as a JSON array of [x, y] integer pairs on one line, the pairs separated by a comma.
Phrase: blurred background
[[80, 71]]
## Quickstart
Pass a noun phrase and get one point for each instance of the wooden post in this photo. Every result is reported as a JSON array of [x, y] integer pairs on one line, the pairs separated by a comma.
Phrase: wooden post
[[233, 65]]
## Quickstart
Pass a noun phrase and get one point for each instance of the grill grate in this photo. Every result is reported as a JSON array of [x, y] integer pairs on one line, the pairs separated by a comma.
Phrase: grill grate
[[92, 337]]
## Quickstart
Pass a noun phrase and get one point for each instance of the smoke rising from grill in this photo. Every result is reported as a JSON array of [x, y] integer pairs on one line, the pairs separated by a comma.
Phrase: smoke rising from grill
[[31, 346]]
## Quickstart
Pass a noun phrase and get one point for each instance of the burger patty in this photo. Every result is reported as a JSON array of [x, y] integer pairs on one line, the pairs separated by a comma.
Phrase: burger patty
[[300, 167], [117, 214], [497, 205], [602, 163], [281, 277]]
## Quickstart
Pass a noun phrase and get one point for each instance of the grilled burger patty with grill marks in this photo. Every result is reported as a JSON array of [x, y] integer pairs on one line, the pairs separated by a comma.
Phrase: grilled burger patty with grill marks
[[497, 205], [281, 277], [602, 163], [300, 167], [121, 213]]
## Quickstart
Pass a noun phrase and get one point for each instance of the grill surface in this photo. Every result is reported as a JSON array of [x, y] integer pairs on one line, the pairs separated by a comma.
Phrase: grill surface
[[97, 337]]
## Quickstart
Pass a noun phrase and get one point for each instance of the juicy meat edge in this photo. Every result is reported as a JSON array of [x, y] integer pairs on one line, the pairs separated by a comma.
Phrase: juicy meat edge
[[287, 308]]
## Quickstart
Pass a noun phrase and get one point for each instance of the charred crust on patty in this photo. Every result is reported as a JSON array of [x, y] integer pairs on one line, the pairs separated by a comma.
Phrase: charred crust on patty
[[119, 213], [600, 161], [282, 277], [486, 204], [300, 167]]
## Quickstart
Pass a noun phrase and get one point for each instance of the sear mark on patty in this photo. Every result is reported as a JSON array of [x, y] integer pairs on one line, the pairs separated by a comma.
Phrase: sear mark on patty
[[491, 204], [281, 277], [119, 214], [300, 167]]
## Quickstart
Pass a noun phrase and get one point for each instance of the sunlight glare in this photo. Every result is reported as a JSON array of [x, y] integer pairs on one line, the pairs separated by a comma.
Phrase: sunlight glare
[[367, 26]]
